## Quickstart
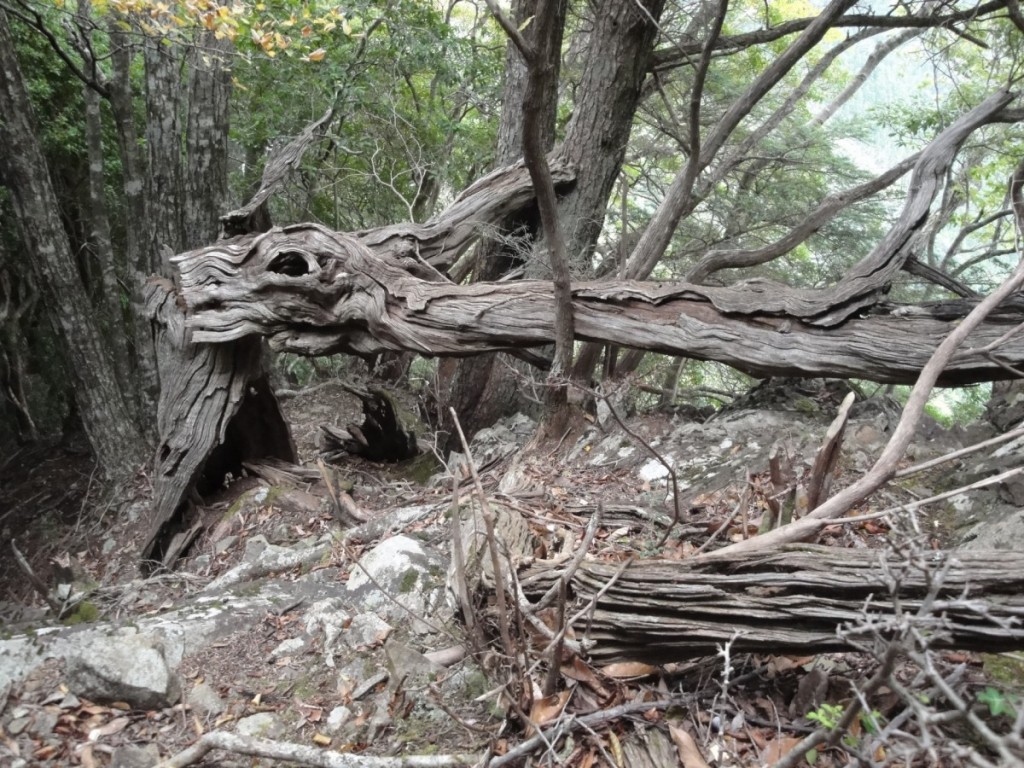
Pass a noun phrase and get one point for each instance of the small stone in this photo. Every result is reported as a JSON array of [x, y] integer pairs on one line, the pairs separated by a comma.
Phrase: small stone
[[261, 725], [337, 718], [135, 756], [254, 547], [289, 647], [128, 668], [17, 725], [205, 701], [367, 630], [224, 544], [43, 723], [108, 546]]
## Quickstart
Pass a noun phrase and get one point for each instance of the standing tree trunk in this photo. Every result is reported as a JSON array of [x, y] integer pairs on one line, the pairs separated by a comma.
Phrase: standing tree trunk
[[113, 433], [163, 140], [206, 141], [617, 59], [139, 262], [485, 388], [99, 220]]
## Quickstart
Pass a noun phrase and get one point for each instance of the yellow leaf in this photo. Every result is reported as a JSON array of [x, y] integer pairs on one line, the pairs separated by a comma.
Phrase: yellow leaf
[[317, 55], [321, 740], [346, 27]]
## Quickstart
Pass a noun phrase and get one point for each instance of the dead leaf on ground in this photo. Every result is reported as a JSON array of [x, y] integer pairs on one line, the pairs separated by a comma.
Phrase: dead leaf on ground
[[778, 748], [548, 708], [621, 669], [116, 725], [689, 754]]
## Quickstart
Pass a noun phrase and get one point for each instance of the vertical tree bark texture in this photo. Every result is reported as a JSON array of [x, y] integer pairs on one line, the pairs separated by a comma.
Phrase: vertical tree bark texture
[[216, 410], [617, 60], [618, 55], [206, 165], [112, 431], [163, 142], [99, 219], [18, 297], [136, 260]]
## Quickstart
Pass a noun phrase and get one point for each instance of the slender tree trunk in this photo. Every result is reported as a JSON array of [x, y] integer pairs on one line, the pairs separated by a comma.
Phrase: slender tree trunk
[[617, 61], [105, 415], [485, 388], [163, 141], [206, 167], [99, 220]]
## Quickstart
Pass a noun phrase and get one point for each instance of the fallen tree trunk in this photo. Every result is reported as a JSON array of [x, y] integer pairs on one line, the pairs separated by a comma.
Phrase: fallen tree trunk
[[793, 600], [315, 291]]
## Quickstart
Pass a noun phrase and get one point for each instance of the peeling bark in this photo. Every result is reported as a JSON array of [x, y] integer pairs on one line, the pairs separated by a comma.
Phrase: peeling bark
[[216, 411], [791, 600], [314, 291]]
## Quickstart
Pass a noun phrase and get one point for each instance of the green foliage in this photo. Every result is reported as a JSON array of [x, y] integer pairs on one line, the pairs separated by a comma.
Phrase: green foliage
[[999, 703], [416, 95], [828, 716]]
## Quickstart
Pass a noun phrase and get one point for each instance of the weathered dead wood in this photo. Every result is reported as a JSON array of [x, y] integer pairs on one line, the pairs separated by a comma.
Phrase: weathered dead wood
[[315, 291], [790, 600], [254, 216], [216, 410], [278, 472], [488, 201], [384, 435]]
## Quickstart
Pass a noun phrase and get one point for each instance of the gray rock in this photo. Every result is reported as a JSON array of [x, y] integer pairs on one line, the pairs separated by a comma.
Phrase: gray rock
[[135, 756], [329, 617], [408, 666], [1005, 533], [43, 723], [261, 725], [205, 701], [288, 647], [402, 581], [129, 668], [366, 631], [337, 718]]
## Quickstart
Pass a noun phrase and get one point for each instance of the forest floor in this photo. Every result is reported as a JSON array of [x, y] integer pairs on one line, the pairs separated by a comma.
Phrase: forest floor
[[50, 504]]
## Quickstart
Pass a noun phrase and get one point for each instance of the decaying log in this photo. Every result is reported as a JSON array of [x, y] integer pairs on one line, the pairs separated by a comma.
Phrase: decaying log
[[315, 291], [790, 600], [216, 410], [384, 434]]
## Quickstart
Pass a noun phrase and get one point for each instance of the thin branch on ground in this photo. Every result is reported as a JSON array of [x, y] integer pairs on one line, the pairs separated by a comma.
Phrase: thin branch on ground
[[316, 757]]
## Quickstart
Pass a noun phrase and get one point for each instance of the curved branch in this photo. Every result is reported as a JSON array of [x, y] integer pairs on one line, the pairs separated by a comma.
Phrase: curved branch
[[877, 56], [828, 208], [669, 58]]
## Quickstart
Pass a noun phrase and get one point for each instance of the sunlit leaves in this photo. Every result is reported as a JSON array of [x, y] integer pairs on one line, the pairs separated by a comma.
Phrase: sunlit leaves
[[269, 29]]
